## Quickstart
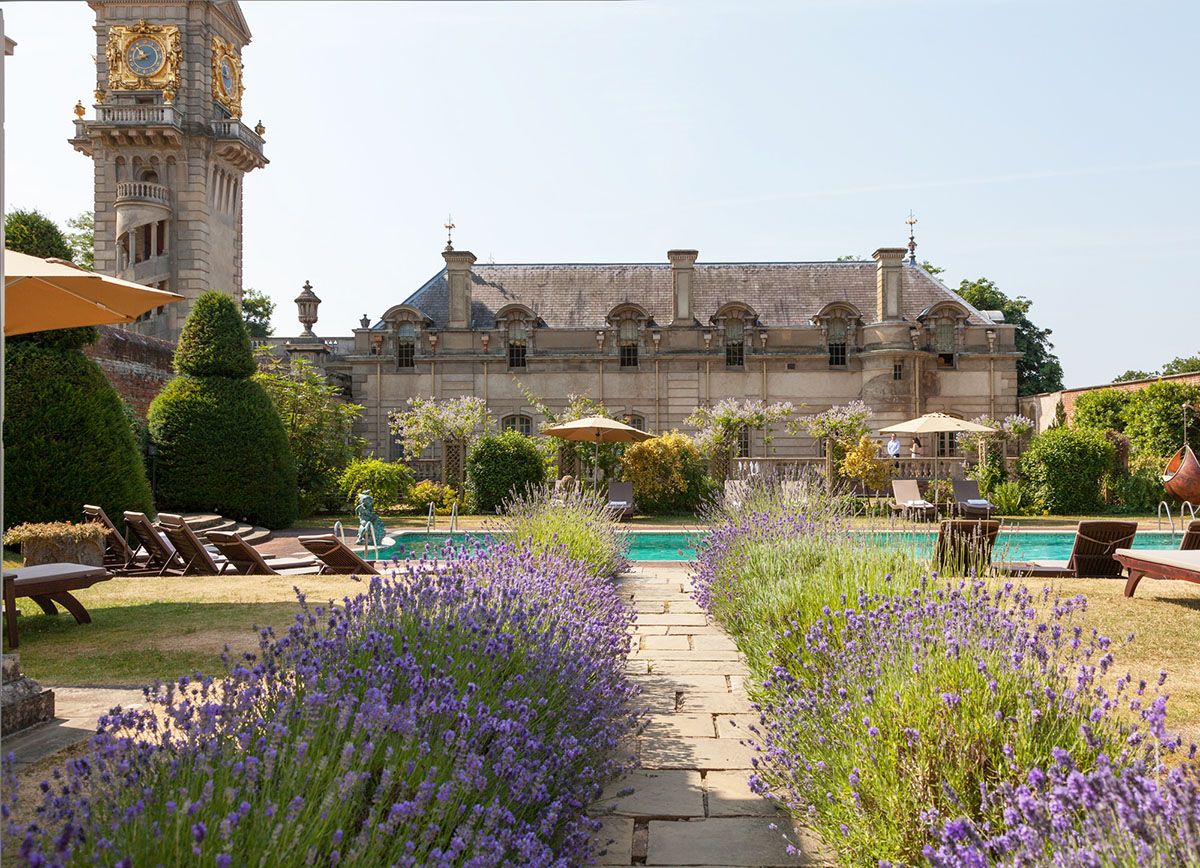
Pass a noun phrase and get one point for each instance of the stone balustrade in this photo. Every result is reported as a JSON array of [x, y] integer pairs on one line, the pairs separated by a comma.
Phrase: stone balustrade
[[138, 114], [143, 191]]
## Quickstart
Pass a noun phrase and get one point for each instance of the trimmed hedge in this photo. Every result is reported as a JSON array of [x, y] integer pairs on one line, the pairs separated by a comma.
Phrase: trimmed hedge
[[67, 439], [1062, 470], [1102, 410], [388, 481], [221, 444], [668, 474], [214, 341], [501, 464]]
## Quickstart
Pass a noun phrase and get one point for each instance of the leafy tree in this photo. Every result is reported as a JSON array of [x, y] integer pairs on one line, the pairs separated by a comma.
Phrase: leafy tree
[[389, 482], [1038, 369], [848, 257], [500, 465], [932, 269], [319, 425], [1102, 410], [1133, 375], [1154, 417], [221, 444], [1062, 470], [1182, 365], [454, 422], [34, 233], [718, 427], [67, 439], [82, 239], [863, 465], [257, 310]]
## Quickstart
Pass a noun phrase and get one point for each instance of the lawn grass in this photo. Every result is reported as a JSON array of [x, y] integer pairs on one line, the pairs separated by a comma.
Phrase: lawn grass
[[149, 628]]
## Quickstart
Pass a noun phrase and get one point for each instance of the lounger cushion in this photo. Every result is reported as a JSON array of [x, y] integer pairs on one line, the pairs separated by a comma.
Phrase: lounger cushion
[[972, 501], [1187, 560], [58, 572]]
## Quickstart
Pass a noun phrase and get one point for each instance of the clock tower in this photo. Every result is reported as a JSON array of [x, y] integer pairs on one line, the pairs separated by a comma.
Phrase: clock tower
[[170, 148]]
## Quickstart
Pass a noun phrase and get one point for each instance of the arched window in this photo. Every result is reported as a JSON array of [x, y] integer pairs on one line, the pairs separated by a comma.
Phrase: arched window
[[634, 420], [628, 343], [944, 325], [837, 342], [517, 422], [735, 343], [628, 320], [518, 337], [840, 323]]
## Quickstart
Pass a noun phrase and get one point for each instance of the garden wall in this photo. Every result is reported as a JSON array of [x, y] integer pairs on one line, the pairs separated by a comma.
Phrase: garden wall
[[137, 365], [1040, 408]]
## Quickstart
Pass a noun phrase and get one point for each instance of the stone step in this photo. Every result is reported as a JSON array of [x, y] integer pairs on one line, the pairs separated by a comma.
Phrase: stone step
[[199, 521], [202, 523]]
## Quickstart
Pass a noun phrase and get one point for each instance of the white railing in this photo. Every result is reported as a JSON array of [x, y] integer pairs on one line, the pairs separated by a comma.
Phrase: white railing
[[1164, 506], [238, 130], [431, 519], [143, 190], [138, 114], [906, 468], [453, 516]]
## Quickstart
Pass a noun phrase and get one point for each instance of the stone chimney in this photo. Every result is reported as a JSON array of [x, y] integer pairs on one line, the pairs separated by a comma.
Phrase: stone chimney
[[889, 297], [458, 276], [683, 269]]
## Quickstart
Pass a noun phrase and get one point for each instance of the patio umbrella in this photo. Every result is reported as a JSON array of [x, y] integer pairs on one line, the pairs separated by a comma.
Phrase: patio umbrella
[[597, 429], [42, 294], [936, 423]]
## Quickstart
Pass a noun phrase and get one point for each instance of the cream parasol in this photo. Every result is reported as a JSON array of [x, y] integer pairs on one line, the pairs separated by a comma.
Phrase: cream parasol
[[937, 423], [42, 294], [597, 429]]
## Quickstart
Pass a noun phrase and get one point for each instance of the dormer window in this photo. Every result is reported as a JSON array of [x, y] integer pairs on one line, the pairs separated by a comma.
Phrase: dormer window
[[518, 337], [944, 342], [837, 342], [628, 343], [735, 343], [406, 346]]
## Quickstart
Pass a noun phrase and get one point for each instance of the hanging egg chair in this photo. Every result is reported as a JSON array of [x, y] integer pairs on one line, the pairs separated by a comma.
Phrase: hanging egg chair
[[1181, 477]]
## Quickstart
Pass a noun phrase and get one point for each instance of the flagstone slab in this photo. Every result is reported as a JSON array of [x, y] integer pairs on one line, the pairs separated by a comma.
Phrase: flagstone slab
[[679, 725], [694, 629], [716, 703], [697, 683], [715, 642], [662, 752], [685, 605], [729, 795], [649, 607], [736, 725], [648, 630], [734, 841], [684, 619], [693, 667], [694, 654], [616, 839], [655, 793], [666, 643]]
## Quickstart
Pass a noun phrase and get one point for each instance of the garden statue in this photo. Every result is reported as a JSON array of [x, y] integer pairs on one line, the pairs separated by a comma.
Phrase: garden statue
[[365, 510]]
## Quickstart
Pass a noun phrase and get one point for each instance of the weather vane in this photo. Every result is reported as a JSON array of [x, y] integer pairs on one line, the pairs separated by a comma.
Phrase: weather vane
[[912, 241], [449, 227]]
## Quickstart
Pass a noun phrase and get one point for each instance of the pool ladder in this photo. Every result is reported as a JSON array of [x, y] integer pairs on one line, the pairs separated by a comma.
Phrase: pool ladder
[[431, 518], [373, 543], [1186, 506]]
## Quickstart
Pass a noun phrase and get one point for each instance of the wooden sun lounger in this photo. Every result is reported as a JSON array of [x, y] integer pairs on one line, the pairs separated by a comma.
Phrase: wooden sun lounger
[[161, 558], [620, 499], [1158, 564], [965, 491], [197, 559], [964, 546], [336, 556], [1191, 537], [1091, 554], [247, 561], [118, 555], [47, 584], [907, 500]]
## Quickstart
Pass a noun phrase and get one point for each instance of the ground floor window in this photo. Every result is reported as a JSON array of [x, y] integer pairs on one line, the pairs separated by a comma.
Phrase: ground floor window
[[947, 444], [517, 422], [743, 442]]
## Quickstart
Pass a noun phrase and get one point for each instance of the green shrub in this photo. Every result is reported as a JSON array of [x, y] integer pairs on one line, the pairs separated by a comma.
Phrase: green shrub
[[425, 492], [577, 523], [1154, 417], [499, 465], [67, 441], [1062, 470], [1102, 410], [221, 444], [1141, 490], [1008, 497], [668, 474], [389, 482]]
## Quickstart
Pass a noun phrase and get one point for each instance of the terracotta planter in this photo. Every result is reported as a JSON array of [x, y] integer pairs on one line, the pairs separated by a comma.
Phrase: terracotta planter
[[63, 551]]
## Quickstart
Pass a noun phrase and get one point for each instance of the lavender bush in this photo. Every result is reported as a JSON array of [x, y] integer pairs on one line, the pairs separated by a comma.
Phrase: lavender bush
[[576, 523], [461, 713]]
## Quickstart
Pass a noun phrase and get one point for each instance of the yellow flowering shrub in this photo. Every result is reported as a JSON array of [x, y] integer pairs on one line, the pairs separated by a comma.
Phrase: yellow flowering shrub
[[667, 473]]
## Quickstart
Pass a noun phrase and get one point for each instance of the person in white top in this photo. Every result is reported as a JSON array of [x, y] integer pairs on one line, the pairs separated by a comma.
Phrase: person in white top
[[893, 449]]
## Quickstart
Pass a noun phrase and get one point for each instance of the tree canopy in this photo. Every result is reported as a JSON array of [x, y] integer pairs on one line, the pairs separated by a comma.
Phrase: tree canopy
[[32, 232], [1038, 369], [82, 239], [257, 309], [1177, 365]]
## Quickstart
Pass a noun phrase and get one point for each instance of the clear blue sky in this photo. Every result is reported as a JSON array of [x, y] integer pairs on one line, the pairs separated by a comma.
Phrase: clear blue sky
[[1049, 146]]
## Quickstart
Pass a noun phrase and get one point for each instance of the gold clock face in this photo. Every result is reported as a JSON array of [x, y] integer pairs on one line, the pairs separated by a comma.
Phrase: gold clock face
[[145, 56]]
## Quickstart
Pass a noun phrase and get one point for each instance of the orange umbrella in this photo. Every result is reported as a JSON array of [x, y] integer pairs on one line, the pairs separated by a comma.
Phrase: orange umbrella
[[42, 294]]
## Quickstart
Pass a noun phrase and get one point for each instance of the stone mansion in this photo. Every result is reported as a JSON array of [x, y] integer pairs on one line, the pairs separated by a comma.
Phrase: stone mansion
[[654, 340]]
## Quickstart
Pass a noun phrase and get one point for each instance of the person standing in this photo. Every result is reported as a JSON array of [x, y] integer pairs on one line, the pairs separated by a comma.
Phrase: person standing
[[893, 449], [915, 451]]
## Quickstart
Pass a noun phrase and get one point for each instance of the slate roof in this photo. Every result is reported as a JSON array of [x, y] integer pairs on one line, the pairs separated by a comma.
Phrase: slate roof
[[783, 294]]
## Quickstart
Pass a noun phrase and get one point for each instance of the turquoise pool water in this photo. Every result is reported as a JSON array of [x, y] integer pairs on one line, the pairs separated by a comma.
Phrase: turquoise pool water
[[681, 545]]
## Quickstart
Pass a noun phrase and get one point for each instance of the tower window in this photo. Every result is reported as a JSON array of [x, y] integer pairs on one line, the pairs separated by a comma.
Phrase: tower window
[[898, 371], [837, 343], [406, 346], [517, 422], [735, 344]]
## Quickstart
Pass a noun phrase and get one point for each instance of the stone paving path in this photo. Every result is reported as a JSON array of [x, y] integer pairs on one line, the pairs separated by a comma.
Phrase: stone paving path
[[690, 803]]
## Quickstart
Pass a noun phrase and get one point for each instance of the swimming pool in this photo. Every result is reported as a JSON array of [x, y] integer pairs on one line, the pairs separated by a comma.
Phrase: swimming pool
[[653, 545]]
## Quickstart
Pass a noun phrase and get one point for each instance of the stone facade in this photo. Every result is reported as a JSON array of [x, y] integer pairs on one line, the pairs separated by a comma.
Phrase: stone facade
[[654, 341], [170, 151]]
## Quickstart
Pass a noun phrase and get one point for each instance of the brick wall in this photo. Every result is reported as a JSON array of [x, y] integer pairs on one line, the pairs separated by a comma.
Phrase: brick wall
[[1041, 407], [137, 365]]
